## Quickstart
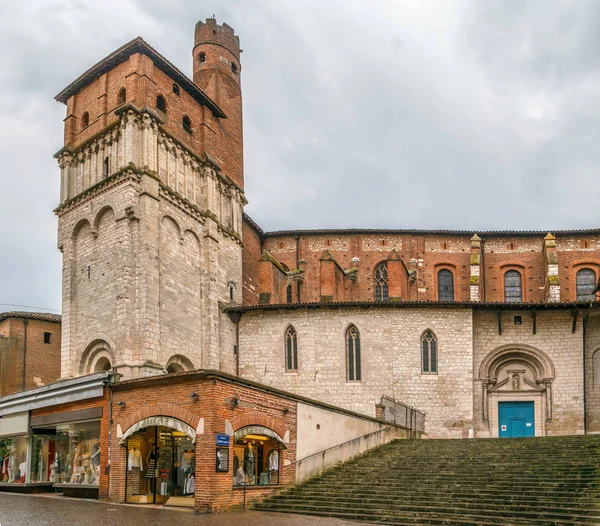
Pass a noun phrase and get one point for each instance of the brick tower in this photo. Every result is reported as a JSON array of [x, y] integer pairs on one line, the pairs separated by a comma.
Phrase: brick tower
[[217, 72], [150, 218]]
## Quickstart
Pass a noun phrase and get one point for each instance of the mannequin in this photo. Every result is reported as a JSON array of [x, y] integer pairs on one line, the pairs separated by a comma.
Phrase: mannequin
[[135, 459], [188, 459], [77, 469], [249, 462], [151, 462], [13, 466], [95, 463]]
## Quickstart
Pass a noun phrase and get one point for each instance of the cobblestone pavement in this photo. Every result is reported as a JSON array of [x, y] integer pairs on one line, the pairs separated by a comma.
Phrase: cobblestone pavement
[[42, 510]]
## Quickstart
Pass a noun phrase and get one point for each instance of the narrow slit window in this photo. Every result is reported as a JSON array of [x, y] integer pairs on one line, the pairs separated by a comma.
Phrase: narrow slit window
[[187, 124], [381, 282], [122, 97], [85, 120], [105, 167], [202, 56], [430, 354], [353, 369], [161, 104], [291, 350], [289, 295], [176, 89]]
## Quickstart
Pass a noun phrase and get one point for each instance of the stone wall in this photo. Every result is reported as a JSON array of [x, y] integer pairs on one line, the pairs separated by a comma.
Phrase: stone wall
[[390, 356], [556, 341]]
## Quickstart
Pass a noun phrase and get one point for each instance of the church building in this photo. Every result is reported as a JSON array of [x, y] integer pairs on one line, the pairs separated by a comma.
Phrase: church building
[[169, 287]]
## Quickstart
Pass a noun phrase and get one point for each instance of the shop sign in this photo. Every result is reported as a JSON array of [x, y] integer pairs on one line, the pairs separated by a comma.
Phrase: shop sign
[[15, 424], [222, 440], [222, 459]]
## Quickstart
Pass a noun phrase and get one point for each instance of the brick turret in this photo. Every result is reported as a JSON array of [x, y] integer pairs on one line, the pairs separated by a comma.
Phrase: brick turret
[[217, 70]]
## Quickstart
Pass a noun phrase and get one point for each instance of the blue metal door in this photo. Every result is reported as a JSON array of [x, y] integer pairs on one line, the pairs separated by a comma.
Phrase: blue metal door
[[516, 419]]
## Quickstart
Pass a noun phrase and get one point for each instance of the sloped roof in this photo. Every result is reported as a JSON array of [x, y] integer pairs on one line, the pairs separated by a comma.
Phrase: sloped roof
[[139, 45], [41, 316]]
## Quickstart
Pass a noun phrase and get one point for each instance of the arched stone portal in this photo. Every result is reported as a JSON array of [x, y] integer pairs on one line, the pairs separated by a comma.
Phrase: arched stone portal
[[517, 373]]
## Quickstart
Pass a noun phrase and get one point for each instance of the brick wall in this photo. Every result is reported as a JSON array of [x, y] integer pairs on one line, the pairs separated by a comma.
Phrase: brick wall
[[430, 254], [43, 360]]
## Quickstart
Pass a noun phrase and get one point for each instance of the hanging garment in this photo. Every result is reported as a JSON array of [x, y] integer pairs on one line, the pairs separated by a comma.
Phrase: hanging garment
[[135, 460], [187, 461], [190, 485], [274, 460]]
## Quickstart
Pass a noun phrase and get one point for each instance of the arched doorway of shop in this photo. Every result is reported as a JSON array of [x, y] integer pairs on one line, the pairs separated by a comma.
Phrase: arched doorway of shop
[[161, 462]]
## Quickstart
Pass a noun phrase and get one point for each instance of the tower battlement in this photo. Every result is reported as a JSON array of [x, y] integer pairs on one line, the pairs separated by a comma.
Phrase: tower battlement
[[210, 32]]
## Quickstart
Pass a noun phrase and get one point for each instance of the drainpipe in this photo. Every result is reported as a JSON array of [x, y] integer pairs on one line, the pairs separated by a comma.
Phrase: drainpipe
[[235, 318], [584, 330], [25, 322], [483, 297], [298, 266], [110, 427]]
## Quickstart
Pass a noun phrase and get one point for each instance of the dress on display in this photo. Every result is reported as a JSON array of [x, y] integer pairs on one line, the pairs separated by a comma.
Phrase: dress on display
[[190, 485], [151, 470]]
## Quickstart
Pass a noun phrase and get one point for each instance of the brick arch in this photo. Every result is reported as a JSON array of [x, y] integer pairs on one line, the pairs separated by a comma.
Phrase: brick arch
[[259, 419], [161, 409]]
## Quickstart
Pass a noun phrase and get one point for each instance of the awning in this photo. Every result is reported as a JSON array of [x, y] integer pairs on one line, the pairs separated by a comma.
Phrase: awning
[[164, 421], [257, 430]]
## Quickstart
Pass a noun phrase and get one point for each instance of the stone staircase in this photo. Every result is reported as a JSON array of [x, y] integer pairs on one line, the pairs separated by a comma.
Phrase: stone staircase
[[541, 481]]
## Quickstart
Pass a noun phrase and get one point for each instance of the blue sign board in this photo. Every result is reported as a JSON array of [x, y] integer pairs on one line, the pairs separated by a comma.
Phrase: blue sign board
[[222, 440]]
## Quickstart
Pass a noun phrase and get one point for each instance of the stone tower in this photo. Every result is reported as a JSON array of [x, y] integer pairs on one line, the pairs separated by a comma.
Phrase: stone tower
[[217, 71], [150, 217]]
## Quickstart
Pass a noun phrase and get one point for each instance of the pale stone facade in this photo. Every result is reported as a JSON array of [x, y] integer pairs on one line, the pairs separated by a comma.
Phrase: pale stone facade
[[149, 252]]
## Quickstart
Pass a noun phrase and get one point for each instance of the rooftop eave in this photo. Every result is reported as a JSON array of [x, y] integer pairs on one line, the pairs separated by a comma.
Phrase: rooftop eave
[[139, 45]]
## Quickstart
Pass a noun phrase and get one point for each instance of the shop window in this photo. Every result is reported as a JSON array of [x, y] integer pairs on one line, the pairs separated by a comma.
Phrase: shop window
[[291, 350], [353, 372], [161, 463], [13, 460], [430, 352], [513, 291], [381, 282], [122, 97], [445, 285], [47, 337], [256, 457], [586, 284]]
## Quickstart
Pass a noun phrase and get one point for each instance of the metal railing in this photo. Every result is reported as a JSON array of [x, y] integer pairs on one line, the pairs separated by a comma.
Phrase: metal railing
[[403, 415]]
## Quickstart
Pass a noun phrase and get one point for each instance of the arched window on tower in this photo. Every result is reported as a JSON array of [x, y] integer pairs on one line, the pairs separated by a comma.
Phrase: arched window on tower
[[202, 56], [586, 283], [353, 373], [85, 120], [176, 89], [513, 289], [187, 124], [291, 350], [381, 282], [429, 352], [122, 96], [161, 104], [289, 293], [445, 285]]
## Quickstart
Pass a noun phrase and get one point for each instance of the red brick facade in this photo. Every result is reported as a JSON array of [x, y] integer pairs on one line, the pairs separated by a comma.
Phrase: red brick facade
[[308, 256], [210, 413], [41, 349]]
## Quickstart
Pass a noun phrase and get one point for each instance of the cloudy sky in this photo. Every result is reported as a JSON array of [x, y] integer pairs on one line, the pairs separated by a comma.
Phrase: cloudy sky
[[402, 114]]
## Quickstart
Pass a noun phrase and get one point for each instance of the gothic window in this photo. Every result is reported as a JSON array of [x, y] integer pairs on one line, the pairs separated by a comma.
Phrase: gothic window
[[445, 285], [352, 354], [513, 290], [381, 282], [291, 350], [429, 349], [106, 167], [586, 283], [176, 89], [161, 104], [122, 97], [85, 120], [202, 56], [289, 293], [187, 124]]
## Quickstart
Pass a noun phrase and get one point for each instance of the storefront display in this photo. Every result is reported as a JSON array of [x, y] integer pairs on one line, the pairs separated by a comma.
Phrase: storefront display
[[161, 464], [13, 460], [256, 460]]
